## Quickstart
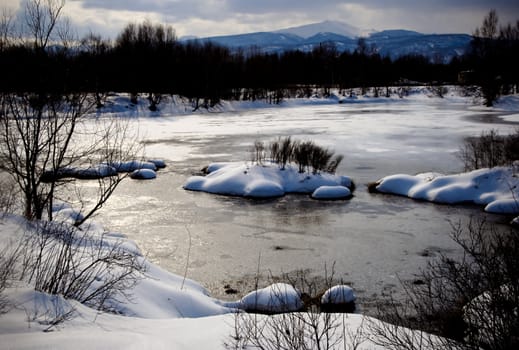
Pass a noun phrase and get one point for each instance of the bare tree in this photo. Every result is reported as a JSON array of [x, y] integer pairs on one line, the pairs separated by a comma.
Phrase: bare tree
[[41, 18], [43, 137], [6, 28], [43, 134], [489, 28]]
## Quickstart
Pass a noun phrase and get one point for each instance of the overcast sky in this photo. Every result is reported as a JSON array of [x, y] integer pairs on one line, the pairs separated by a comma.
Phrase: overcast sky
[[218, 17]]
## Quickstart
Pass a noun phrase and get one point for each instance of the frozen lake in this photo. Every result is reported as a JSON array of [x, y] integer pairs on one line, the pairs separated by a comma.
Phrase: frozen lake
[[372, 239]]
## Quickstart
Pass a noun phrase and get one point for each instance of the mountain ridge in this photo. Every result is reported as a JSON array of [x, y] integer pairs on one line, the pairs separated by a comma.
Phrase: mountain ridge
[[392, 43]]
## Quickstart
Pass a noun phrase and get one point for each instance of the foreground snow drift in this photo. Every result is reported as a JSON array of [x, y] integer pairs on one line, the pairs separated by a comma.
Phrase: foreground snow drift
[[262, 181], [165, 311], [497, 189]]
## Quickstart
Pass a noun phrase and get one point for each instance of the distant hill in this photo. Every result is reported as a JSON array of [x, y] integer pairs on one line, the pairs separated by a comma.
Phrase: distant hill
[[392, 43], [309, 30]]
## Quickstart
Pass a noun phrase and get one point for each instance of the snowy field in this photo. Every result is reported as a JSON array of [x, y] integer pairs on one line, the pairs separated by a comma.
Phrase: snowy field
[[371, 238]]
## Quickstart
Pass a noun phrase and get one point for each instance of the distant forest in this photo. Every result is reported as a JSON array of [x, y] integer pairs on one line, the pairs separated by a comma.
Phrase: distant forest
[[148, 58]]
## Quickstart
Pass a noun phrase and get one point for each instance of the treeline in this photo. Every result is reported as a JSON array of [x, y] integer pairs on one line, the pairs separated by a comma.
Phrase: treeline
[[147, 58]]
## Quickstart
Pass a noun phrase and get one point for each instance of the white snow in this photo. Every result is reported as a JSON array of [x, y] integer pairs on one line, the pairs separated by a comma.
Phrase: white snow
[[129, 166], [341, 294], [497, 189], [331, 192], [278, 297], [143, 174], [166, 311], [170, 312], [260, 181], [100, 170]]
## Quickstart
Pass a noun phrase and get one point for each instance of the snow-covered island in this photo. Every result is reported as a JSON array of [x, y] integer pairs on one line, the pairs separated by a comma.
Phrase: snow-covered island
[[267, 181], [496, 189]]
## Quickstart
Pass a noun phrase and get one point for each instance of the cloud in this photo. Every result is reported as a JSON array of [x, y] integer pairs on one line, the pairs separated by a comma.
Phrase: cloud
[[218, 17]]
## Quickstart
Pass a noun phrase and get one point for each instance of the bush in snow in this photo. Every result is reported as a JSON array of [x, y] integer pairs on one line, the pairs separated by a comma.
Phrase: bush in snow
[[281, 151], [7, 197], [60, 259], [338, 298], [489, 150], [472, 301], [305, 154], [308, 329], [258, 153]]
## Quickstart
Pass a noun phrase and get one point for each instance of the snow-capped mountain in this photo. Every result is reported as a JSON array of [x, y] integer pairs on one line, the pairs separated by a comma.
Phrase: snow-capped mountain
[[392, 43], [309, 30]]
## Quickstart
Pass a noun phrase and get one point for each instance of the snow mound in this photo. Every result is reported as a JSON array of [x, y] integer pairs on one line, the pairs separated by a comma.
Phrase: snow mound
[[132, 165], [496, 189], [341, 294], [95, 172], [276, 298], [159, 163], [331, 192], [143, 174], [260, 181]]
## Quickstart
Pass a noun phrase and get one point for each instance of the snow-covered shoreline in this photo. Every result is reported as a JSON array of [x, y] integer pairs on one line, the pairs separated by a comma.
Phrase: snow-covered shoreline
[[174, 105], [165, 311]]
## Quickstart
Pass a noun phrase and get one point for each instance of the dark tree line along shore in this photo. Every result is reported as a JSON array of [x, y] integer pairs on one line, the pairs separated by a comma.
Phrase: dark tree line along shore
[[148, 58]]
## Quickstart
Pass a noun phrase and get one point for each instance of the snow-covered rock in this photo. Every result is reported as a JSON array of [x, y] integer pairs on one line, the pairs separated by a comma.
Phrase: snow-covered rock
[[159, 163], [497, 188], [95, 172], [143, 174], [129, 166], [276, 298], [260, 181], [341, 294], [331, 192], [483, 314]]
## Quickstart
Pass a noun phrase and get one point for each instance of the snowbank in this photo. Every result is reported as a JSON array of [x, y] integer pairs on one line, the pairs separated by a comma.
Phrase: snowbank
[[497, 189], [143, 174], [331, 192], [260, 181], [278, 297], [107, 169], [166, 311], [341, 294]]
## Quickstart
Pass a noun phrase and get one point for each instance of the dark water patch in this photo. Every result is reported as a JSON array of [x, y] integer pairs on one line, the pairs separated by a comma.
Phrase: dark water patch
[[492, 118]]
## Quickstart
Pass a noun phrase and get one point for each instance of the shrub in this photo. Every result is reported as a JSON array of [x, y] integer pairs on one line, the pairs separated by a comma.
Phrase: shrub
[[489, 150], [281, 151], [305, 154], [258, 152], [8, 259], [311, 328], [7, 197], [301, 154], [471, 301], [59, 259]]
